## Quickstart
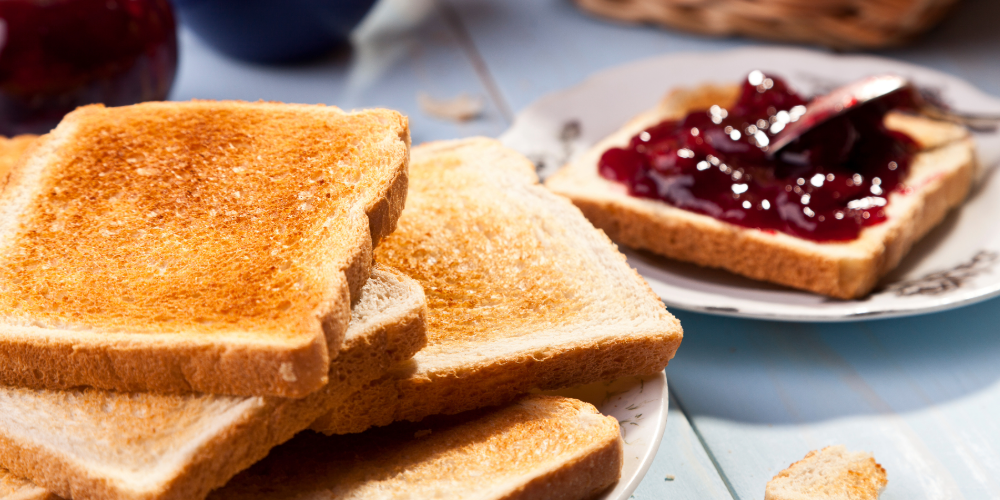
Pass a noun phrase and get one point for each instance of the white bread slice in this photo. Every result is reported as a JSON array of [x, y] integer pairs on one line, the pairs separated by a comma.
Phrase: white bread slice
[[541, 447], [522, 292], [832, 473], [198, 246], [15, 488], [94, 444], [939, 180]]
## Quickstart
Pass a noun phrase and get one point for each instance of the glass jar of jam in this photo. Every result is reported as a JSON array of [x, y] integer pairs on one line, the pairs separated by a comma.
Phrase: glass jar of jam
[[56, 55]]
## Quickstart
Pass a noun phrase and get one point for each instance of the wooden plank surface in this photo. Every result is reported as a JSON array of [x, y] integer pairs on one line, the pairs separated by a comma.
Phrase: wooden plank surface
[[921, 393], [533, 47], [682, 467], [404, 48]]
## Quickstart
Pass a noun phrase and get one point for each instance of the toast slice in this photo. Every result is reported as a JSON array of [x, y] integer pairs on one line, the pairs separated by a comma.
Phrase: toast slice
[[831, 473], [523, 293], [198, 246], [547, 447], [939, 179], [95, 444]]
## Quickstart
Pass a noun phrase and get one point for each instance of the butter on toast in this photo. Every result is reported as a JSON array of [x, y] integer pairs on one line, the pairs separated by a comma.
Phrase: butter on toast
[[96, 444], [832, 473], [198, 246], [939, 179], [523, 292]]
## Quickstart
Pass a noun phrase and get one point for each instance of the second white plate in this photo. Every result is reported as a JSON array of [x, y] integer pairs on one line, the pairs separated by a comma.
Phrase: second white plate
[[952, 266]]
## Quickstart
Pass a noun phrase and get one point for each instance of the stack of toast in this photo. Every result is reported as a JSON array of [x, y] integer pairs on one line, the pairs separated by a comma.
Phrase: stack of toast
[[187, 286]]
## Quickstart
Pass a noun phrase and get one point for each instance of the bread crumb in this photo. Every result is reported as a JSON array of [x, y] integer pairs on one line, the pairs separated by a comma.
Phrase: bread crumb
[[287, 372], [460, 109]]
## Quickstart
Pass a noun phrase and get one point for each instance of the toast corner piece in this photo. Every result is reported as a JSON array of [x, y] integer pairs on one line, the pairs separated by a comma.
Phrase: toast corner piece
[[263, 303], [832, 473]]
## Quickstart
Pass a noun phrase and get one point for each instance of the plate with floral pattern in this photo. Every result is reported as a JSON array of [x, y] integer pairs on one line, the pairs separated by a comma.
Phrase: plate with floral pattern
[[956, 264]]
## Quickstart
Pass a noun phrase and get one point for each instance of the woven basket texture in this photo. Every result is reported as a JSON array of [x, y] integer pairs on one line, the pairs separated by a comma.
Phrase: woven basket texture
[[840, 24]]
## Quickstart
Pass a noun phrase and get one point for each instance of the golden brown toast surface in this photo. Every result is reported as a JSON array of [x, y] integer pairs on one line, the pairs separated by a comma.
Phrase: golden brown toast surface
[[210, 222], [242, 222], [486, 274], [10, 151]]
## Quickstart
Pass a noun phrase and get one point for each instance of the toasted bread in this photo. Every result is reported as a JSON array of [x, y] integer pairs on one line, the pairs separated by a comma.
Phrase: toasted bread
[[199, 246], [522, 291], [11, 151], [939, 179], [541, 447], [544, 447], [95, 444], [832, 473], [15, 488]]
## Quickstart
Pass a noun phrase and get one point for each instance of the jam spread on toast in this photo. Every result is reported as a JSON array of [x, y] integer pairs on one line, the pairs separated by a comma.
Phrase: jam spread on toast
[[826, 186]]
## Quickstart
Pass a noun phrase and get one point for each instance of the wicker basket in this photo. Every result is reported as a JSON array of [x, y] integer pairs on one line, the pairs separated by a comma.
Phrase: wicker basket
[[841, 24]]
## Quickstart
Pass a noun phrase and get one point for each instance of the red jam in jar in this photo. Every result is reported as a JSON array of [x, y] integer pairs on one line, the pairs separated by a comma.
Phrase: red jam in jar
[[56, 55], [826, 186]]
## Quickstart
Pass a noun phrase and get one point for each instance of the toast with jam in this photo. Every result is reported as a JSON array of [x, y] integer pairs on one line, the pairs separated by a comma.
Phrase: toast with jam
[[691, 180], [523, 293], [193, 247]]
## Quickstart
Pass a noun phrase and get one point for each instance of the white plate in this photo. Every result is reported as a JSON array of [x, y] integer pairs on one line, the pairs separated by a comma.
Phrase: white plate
[[640, 405], [952, 266]]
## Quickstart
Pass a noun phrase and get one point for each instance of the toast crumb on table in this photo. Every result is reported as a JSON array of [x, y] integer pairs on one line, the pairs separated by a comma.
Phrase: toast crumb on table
[[832, 473]]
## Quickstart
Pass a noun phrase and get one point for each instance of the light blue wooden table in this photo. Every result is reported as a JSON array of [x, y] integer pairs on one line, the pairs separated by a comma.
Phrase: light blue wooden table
[[749, 397]]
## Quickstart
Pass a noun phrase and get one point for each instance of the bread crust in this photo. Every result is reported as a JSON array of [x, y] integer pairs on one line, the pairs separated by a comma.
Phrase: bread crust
[[511, 273], [254, 425], [15, 488], [489, 455], [233, 342], [939, 182]]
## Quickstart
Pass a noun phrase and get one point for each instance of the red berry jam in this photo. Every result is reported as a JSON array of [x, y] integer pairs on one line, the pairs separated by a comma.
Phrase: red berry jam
[[56, 55], [826, 186]]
